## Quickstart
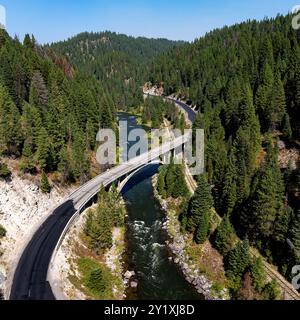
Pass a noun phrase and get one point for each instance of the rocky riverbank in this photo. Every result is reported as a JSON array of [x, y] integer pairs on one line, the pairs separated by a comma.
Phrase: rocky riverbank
[[178, 245]]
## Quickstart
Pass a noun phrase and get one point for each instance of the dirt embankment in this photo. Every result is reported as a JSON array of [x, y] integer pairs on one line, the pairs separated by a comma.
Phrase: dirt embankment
[[23, 207]]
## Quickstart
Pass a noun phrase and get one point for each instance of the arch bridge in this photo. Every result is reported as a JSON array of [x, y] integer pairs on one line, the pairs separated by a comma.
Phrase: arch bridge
[[31, 279]]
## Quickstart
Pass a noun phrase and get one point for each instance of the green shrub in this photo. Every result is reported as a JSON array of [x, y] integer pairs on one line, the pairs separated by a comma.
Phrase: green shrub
[[96, 282], [2, 231], [27, 166], [224, 238], [45, 186], [100, 221], [96, 278], [258, 274], [4, 171], [271, 291]]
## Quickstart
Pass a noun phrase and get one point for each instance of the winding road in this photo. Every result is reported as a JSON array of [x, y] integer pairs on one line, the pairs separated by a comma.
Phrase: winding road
[[30, 277]]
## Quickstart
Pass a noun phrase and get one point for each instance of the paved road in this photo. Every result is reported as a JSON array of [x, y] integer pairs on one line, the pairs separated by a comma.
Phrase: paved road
[[31, 273], [289, 292], [30, 278], [190, 112]]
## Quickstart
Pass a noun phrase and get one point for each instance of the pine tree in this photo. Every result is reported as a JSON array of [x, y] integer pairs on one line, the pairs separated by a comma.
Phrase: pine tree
[[27, 164], [55, 123], [216, 150], [233, 97], [271, 291], [170, 179], [106, 114], [43, 150], [298, 173], [295, 233], [263, 95], [199, 216], [98, 226], [31, 124], [90, 135], [27, 152], [267, 202], [277, 108], [245, 148], [79, 156], [238, 260], [38, 95], [64, 165], [266, 52], [45, 186], [28, 43], [244, 165], [286, 127], [224, 236], [203, 229], [281, 226], [96, 282], [10, 131], [180, 188], [4, 171], [297, 84], [105, 237], [229, 192], [161, 183], [258, 273]]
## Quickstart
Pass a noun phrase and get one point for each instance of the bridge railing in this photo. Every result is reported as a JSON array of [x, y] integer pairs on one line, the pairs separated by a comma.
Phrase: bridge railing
[[89, 190]]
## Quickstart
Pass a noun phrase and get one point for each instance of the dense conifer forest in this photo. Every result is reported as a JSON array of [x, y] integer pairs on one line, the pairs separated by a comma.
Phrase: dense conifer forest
[[49, 113], [120, 62], [245, 83], [51, 110]]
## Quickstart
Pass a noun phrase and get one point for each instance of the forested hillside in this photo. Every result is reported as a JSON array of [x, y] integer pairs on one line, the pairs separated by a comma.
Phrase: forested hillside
[[245, 81], [53, 100], [49, 113], [118, 61]]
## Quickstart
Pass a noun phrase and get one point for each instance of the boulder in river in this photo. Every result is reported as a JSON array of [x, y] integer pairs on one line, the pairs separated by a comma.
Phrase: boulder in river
[[133, 284], [129, 274]]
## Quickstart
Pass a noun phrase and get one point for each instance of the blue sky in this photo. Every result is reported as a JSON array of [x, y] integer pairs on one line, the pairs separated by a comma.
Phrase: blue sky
[[53, 20]]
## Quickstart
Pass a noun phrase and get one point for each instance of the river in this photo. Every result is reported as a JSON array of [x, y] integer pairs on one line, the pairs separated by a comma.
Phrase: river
[[157, 276]]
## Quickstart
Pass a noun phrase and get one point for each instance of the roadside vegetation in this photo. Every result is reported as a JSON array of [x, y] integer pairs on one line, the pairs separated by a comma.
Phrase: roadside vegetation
[[245, 83], [171, 182], [95, 279], [155, 110], [97, 269], [4, 171], [51, 107], [232, 267]]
